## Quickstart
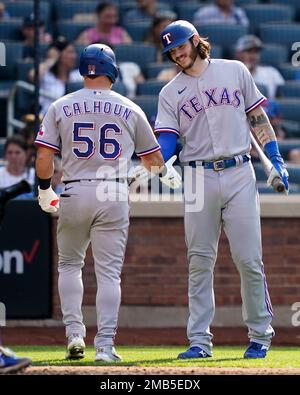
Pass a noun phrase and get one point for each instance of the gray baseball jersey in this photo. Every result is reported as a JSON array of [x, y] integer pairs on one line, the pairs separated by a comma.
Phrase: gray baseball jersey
[[208, 113], [95, 128]]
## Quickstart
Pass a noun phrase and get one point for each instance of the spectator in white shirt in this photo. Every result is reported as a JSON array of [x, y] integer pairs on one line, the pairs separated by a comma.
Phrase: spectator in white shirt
[[248, 50], [16, 170], [57, 70], [222, 11]]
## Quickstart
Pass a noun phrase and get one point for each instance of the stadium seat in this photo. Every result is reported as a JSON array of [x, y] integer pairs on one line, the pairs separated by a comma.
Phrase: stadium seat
[[286, 145], [148, 104], [126, 6], [242, 3], [70, 29], [186, 10], [137, 30], [259, 172], [67, 10], [290, 89], [13, 53], [288, 71], [153, 69], [10, 30], [142, 54], [150, 87], [222, 34], [294, 173], [20, 9], [263, 89], [290, 108], [22, 69], [74, 86], [293, 3], [280, 33], [273, 54], [261, 13]]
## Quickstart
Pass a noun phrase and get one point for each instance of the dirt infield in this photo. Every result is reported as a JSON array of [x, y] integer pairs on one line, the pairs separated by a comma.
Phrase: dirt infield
[[124, 370]]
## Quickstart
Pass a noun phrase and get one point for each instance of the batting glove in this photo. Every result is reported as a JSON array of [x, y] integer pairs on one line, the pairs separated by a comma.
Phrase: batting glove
[[171, 177], [48, 200]]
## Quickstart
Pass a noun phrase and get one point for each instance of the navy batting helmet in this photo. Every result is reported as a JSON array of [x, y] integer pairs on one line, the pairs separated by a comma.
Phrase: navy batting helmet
[[98, 59], [177, 33]]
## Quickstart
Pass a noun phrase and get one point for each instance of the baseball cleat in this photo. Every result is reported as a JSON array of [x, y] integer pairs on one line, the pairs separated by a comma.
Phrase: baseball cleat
[[256, 350], [193, 352], [10, 363], [75, 347], [107, 354]]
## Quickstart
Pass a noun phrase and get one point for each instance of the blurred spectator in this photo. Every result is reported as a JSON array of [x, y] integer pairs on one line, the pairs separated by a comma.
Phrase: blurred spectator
[[130, 75], [294, 156], [15, 170], [248, 51], [153, 36], [4, 15], [272, 110], [57, 70], [28, 133], [143, 11], [222, 11], [106, 27], [28, 36], [168, 74]]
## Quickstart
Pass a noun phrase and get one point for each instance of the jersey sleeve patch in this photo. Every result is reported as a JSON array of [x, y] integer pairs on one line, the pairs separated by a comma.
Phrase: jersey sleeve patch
[[256, 104], [45, 144], [149, 151]]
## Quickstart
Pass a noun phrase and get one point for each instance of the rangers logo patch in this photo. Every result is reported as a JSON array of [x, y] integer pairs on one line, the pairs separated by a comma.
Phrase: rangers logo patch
[[91, 69], [41, 131]]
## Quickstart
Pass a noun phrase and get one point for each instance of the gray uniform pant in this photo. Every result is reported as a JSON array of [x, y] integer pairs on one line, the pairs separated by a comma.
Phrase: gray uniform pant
[[231, 200], [84, 219]]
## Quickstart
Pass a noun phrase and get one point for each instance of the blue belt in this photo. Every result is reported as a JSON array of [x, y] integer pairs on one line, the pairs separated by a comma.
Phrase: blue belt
[[218, 165]]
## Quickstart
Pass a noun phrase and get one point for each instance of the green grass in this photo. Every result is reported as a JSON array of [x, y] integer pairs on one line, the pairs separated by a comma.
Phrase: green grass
[[224, 356]]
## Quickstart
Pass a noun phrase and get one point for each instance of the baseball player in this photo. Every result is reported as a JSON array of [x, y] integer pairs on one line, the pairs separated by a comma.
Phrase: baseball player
[[211, 106], [96, 130]]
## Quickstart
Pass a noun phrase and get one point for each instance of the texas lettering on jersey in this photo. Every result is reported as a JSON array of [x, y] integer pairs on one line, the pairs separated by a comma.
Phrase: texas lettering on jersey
[[211, 98]]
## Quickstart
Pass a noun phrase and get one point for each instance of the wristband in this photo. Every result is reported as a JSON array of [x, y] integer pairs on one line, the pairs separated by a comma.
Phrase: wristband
[[44, 183]]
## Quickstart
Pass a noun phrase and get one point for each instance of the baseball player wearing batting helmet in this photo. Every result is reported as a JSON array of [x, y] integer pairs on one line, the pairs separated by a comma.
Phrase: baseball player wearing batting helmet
[[211, 105], [96, 130]]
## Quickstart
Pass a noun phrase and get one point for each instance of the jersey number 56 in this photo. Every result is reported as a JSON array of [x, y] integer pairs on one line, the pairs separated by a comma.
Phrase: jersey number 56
[[109, 148]]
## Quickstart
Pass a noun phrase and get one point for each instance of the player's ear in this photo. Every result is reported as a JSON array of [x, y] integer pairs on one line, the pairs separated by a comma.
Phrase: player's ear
[[196, 40]]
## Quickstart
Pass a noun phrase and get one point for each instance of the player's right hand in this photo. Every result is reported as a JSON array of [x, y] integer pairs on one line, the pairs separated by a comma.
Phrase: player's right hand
[[171, 178], [48, 200], [279, 170]]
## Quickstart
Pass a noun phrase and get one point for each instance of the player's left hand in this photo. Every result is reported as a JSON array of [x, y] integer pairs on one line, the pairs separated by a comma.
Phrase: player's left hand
[[279, 170], [171, 177], [48, 200]]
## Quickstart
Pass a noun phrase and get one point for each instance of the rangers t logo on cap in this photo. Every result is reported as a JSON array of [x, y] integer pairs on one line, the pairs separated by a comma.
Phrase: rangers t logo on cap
[[166, 37]]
